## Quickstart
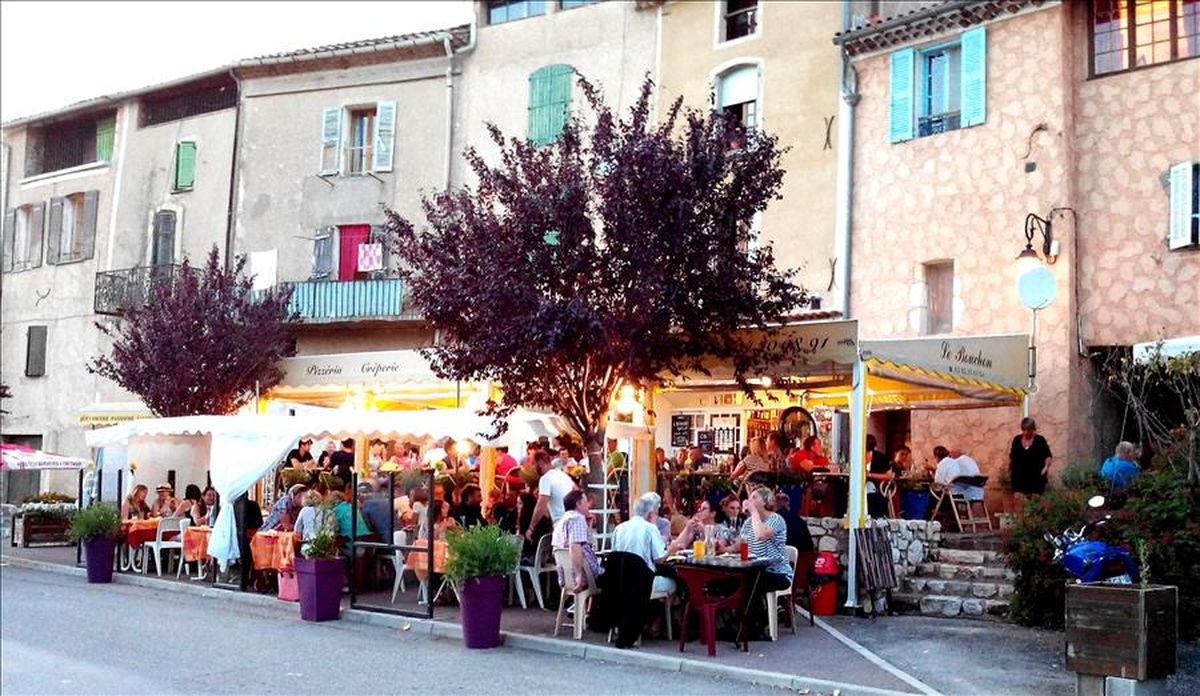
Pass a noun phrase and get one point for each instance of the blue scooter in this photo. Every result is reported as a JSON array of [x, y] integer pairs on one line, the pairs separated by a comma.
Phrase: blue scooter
[[1093, 561]]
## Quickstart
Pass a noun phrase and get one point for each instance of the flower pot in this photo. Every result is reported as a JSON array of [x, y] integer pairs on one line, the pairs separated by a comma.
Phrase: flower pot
[[320, 581], [100, 551], [914, 505], [1124, 631], [482, 601]]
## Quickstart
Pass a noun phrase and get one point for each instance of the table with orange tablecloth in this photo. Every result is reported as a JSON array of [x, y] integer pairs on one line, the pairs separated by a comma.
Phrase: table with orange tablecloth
[[273, 550], [138, 532], [195, 543], [418, 561]]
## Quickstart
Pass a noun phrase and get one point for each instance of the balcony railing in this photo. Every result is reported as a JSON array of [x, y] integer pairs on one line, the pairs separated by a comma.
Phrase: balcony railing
[[942, 123], [129, 288], [328, 301]]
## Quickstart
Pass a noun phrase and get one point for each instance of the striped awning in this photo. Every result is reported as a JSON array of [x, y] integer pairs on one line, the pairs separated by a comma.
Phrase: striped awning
[[21, 458]]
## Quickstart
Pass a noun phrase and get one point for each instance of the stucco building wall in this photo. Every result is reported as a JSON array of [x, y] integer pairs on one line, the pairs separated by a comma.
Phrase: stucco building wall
[[798, 103]]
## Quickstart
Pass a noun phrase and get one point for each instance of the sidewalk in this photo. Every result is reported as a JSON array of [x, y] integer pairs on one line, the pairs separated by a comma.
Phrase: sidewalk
[[813, 660]]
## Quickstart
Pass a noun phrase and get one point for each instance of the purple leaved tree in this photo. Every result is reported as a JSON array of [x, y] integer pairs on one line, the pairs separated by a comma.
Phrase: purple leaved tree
[[202, 343], [622, 254]]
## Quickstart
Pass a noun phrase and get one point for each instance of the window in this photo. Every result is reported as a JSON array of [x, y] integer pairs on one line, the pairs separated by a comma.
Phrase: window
[[106, 133], [549, 102], [939, 295], [185, 166], [22, 237], [322, 261], [162, 245], [369, 134], [1185, 205], [572, 4], [939, 88], [70, 144], [212, 94], [72, 232], [1130, 34], [737, 95], [740, 19], [501, 11], [35, 351]]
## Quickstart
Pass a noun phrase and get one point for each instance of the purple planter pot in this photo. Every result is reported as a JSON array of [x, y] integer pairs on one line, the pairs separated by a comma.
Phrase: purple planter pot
[[320, 581], [482, 602], [100, 552]]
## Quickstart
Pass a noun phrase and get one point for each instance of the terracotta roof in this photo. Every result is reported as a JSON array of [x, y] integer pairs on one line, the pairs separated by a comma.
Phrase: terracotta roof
[[926, 21], [813, 315], [458, 38]]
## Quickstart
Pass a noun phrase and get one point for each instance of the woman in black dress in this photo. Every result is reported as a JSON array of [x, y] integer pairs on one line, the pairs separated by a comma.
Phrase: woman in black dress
[[1029, 461]]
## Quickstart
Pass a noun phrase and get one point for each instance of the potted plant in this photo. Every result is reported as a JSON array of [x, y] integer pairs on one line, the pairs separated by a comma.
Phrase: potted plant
[[46, 518], [478, 560], [319, 575], [97, 528]]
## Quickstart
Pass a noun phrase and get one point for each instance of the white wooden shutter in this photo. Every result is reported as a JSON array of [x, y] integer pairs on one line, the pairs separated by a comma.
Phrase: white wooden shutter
[[385, 136], [54, 251], [1185, 218], [331, 140]]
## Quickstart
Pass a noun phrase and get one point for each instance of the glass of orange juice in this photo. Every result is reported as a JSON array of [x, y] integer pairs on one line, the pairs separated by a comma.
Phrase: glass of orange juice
[[697, 549]]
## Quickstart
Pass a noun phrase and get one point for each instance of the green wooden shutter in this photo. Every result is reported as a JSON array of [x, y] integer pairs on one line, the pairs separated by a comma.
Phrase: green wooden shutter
[[53, 251], [86, 239], [549, 102], [973, 85], [185, 165], [900, 97], [6, 240], [106, 130]]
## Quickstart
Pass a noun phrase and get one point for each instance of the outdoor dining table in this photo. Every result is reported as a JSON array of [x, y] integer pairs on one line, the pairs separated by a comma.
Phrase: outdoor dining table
[[418, 561], [698, 575], [138, 532], [273, 550], [195, 543]]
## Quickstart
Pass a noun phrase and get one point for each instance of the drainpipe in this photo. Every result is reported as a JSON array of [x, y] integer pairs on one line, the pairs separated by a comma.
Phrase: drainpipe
[[450, 54], [231, 209], [844, 215]]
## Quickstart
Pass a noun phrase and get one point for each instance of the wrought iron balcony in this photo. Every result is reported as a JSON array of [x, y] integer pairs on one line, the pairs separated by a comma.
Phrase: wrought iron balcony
[[330, 301], [121, 290], [942, 123]]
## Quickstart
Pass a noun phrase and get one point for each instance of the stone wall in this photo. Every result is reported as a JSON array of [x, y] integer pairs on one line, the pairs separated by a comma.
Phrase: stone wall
[[913, 542]]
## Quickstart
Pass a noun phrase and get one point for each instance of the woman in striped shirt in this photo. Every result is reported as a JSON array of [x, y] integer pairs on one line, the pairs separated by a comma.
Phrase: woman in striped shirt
[[766, 534]]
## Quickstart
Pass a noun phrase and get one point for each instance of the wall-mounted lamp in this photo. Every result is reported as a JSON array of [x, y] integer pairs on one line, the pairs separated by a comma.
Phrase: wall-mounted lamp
[[1028, 259]]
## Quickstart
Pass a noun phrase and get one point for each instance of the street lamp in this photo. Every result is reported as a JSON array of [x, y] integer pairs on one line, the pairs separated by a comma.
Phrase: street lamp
[[1028, 259]]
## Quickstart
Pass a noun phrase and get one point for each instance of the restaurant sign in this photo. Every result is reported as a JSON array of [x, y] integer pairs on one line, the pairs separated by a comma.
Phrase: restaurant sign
[[814, 347], [365, 369], [999, 360]]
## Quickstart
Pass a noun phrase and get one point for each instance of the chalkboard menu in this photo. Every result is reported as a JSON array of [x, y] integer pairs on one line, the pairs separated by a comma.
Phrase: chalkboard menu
[[681, 431], [705, 441]]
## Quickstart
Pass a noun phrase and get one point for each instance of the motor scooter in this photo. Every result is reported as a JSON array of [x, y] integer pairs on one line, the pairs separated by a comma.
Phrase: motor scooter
[[1088, 560]]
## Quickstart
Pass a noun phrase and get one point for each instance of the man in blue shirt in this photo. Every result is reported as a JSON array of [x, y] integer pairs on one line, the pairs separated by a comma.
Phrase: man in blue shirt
[[1120, 469]]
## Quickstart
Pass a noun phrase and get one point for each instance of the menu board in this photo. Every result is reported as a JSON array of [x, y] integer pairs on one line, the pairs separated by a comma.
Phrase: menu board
[[705, 441], [681, 431]]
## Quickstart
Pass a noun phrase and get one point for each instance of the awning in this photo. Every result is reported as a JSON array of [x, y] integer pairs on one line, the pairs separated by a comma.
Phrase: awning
[[986, 368], [21, 458], [378, 369], [112, 412]]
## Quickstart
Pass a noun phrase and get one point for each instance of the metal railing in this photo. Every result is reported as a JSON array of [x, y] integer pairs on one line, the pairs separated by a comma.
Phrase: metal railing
[[327, 301], [120, 290], [941, 123]]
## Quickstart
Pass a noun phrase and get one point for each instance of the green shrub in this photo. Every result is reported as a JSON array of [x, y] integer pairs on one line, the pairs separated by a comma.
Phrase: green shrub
[[100, 520], [1082, 476], [1160, 512], [480, 552], [324, 544], [292, 476], [49, 498]]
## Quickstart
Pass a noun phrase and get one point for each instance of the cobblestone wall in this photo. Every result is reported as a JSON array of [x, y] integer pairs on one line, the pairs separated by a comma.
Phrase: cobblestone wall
[[913, 542]]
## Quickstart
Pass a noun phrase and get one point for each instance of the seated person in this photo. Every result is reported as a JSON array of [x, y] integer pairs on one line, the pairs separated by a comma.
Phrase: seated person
[[190, 504], [640, 537], [283, 513], [797, 529], [729, 518], [953, 464], [469, 511], [808, 457], [573, 532], [441, 522], [766, 534], [691, 529], [311, 519], [346, 515], [164, 505], [1121, 468], [503, 510], [135, 507], [375, 508], [504, 461], [902, 461]]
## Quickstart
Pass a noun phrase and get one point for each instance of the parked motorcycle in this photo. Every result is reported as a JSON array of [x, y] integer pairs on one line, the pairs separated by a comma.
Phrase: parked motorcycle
[[1088, 560]]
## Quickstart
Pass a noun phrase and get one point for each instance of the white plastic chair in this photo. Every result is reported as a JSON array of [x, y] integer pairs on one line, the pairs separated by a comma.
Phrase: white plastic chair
[[562, 560], [399, 538], [514, 579], [543, 563], [156, 547], [773, 598], [184, 523]]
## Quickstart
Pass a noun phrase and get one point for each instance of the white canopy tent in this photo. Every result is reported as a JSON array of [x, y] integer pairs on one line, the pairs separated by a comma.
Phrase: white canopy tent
[[244, 448]]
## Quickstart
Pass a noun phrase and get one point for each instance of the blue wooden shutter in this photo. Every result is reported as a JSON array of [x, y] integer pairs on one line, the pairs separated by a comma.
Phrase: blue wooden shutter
[[385, 136], [900, 97], [973, 104], [549, 102]]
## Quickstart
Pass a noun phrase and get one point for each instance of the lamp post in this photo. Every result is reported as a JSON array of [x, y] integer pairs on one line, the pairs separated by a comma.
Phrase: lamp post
[[1035, 287]]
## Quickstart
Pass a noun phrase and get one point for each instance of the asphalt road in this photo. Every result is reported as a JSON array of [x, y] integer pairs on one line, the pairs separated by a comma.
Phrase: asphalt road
[[60, 635]]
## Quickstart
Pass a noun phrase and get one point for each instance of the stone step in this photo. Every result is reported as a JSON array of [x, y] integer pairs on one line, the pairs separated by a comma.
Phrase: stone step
[[964, 557], [963, 571], [972, 542], [958, 588], [947, 606]]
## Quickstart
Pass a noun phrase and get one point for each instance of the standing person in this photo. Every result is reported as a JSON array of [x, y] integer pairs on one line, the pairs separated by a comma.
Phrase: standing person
[[553, 487], [342, 461], [878, 472], [301, 457], [775, 455], [504, 461], [1029, 461], [325, 461], [616, 458], [283, 513], [247, 516], [754, 462], [376, 454]]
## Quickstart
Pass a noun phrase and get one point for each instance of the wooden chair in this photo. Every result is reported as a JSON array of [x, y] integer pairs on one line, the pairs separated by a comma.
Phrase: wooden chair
[[961, 507], [888, 490], [562, 559]]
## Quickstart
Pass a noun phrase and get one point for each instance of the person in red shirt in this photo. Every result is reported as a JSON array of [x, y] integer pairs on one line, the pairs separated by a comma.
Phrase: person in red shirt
[[504, 462], [809, 457]]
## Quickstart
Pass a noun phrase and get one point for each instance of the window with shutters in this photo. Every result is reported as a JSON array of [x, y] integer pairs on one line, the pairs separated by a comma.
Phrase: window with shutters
[[23, 232], [67, 144], [938, 88], [501, 11], [185, 166], [362, 136], [939, 297], [1130, 34], [162, 246], [739, 19], [737, 95], [71, 232], [1184, 229], [549, 102], [322, 261], [35, 351], [358, 140]]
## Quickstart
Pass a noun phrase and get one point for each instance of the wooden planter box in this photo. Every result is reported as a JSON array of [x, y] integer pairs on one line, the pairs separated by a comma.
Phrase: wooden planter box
[[1122, 630], [44, 530]]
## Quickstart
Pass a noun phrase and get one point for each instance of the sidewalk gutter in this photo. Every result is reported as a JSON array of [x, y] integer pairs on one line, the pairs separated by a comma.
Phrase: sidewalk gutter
[[519, 641]]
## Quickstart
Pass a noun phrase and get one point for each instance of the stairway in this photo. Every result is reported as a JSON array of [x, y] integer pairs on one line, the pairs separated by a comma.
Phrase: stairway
[[965, 578]]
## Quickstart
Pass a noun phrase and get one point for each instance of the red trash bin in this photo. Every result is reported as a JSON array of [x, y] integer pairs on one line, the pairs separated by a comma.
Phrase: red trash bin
[[824, 587]]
